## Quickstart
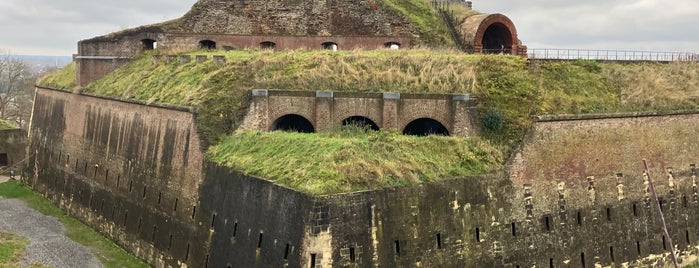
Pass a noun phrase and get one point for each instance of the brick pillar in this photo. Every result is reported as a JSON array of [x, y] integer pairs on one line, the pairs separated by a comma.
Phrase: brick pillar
[[324, 111], [462, 116], [257, 117], [391, 101]]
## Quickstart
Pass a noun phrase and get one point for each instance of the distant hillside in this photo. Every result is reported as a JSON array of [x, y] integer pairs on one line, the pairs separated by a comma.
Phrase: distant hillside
[[38, 64]]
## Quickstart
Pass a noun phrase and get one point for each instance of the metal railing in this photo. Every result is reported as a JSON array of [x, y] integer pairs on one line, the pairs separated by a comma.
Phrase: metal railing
[[610, 55]]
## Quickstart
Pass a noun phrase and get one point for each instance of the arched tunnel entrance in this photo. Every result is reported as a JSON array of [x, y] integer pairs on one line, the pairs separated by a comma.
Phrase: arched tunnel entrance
[[293, 123], [497, 39], [360, 121], [424, 127]]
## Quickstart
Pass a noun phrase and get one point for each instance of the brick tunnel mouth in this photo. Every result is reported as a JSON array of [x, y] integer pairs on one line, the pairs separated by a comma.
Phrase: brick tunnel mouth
[[293, 123], [497, 39], [425, 127], [361, 122]]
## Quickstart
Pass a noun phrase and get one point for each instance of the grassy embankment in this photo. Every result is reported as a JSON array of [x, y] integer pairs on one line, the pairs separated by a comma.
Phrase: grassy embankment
[[12, 250], [105, 250], [510, 91], [4, 125]]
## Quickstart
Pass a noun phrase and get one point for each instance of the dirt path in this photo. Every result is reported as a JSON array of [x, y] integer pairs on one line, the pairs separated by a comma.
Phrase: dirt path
[[47, 244]]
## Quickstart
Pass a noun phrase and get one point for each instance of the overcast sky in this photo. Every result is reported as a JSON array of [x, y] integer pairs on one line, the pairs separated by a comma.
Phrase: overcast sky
[[53, 27]]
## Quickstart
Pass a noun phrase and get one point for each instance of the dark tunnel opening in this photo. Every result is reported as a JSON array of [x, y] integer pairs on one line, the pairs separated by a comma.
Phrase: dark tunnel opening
[[425, 127], [207, 44], [360, 121], [497, 39], [293, 123]]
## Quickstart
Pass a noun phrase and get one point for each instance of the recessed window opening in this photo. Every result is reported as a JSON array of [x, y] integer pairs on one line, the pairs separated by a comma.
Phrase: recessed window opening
[[514, 229], [579, 218], [126, 217], [118, 178], [611, 253], [206, 263], [207, 44], [144, 191], [130, 185], [330, 46], [638, 247], [686, 236], [268, 45], [547, 222], [478, 234], [660, 201], [425, 127], [397, 247], [609, 214], [392, 45], [293, 123], [155, 230], [286, 252], [439, 241], [353, 257], [361, 122], [635, 210], [106, 176], [149, 44], [213, 220], [194, 211], [235, 228], [684, 201], [169, 243], [551, 262], [138, 229], [664, 243], [582, 259], [259, 241], [160, 195], [175, 207], [313, 260], [186, 254]]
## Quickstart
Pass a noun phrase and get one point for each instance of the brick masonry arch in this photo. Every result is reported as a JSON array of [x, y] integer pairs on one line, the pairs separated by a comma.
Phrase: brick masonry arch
[[477, 28]]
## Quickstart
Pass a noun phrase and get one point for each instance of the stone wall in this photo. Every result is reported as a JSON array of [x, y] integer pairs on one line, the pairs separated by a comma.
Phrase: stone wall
[[327, 110], [13, 144], [129, 170]]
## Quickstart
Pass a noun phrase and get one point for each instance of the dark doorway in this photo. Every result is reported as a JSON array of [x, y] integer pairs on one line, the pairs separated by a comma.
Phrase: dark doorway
[[293, 123], [330, 46], [360, 121], [497, 39], [424, 127], [268, 45], [392, 45], [149, 44], [3, 160], [207, 44]]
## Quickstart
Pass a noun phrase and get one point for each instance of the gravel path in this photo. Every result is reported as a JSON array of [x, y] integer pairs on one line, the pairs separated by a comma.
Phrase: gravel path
[[47, 244]]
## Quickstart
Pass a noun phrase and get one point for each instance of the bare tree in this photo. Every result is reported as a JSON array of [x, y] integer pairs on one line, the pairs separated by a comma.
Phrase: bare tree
[[16, 83]]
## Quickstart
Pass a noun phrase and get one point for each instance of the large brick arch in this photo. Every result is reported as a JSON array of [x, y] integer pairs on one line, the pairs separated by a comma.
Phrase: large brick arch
[[477, 29]]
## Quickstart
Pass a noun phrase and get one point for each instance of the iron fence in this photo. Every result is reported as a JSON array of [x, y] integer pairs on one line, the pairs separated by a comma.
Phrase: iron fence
[[610, 55]]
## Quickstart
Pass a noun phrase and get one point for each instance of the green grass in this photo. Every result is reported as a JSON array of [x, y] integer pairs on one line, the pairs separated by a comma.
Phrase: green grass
[[4, 125], [64, 78], [105, 250], [11, 248], [349, 160], [431, 30]]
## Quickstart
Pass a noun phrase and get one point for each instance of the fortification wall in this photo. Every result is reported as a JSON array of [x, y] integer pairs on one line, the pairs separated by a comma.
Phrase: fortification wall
[[13, 144], [129, 170]]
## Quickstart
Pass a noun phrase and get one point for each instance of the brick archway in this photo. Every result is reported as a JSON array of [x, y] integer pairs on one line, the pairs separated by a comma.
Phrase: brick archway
[[425, 126], [293, 123], [496, 34]]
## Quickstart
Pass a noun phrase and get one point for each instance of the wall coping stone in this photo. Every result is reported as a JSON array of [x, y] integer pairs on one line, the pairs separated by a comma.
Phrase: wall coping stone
[[391, 96], [324, 94], [182, 108], [461, 97], [260, 92], [574, 117]]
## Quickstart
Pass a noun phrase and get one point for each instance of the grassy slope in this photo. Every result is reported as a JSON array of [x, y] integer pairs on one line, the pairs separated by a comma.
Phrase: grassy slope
[[6, 125], [509, 86], [106, 251], [352, 160]]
